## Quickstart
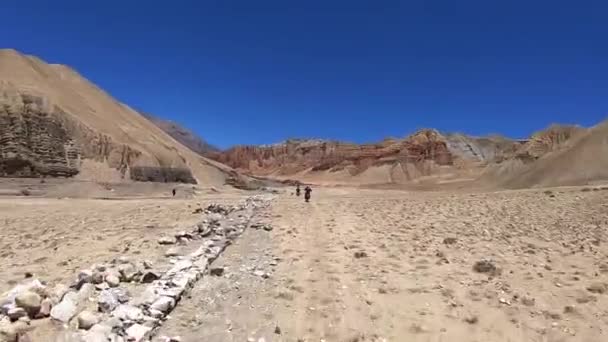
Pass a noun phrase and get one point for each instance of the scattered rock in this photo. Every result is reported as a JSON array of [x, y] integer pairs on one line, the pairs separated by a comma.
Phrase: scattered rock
[[528, 301], [138, 333], [149, 277], [360, 254], [84, 277], [66, 309], [449, 241], [29, 301], [97, 277], [128, 312], [217, 271], [128, 272], [486, 266], [147, 264], [165, 240], [163, 304], [599, 288], [15, 313], [261, 273], [86, 320], [172, 252], [504, 301], [569, 309], [107, 301], [45, 308], [472, 319], [112, 280]]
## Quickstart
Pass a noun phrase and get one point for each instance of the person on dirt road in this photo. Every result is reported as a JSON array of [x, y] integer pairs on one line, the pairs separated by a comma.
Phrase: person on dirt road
[[307, 192], [173, 192], [298, 190]]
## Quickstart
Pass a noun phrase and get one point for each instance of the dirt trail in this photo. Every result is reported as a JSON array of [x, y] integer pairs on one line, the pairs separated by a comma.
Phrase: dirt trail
[[364, 265]]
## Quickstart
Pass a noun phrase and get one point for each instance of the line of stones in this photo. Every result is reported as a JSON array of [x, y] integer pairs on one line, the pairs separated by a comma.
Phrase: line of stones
[[137, 320]]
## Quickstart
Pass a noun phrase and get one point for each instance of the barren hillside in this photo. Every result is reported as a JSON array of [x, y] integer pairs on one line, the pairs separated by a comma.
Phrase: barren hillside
[[583, 160], [54, 122]]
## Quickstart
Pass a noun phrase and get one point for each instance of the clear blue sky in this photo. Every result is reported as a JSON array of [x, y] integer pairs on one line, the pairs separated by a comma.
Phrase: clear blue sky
[[252, 72]]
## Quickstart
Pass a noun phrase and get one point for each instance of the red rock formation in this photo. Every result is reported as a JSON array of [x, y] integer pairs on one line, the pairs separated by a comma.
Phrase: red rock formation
[[294, 156]]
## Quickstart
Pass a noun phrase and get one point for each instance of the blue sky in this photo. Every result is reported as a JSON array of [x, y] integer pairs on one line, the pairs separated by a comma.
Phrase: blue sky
[[254, 72]]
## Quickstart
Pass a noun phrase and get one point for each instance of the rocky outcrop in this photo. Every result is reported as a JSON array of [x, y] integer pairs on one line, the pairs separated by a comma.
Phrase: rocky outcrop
[[549, 140], [55, 123], [33, 143], [295, 156]]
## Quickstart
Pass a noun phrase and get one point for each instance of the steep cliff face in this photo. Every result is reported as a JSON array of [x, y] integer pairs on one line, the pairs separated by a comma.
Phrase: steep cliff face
[[309, 156], [53, 122]]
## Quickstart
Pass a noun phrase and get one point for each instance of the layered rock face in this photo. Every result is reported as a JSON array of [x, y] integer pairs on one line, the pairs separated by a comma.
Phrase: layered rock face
[[34, 144], [55, 123], [295, 156], [425, 153]]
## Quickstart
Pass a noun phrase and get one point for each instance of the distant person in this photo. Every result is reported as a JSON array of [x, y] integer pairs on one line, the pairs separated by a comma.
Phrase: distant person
[[298, 190], [174, 191], [307, 192]]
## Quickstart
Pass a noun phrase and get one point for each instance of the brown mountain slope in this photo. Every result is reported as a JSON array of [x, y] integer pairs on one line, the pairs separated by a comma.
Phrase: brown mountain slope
[[583, 160], [53, 122]]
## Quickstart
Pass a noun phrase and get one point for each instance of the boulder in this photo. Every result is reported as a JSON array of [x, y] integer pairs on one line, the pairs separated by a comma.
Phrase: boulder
[[86, 320], [149, 277], [138, 333], [112, 280], [107, 301], [66, 309], [29, 301], [163, 304]]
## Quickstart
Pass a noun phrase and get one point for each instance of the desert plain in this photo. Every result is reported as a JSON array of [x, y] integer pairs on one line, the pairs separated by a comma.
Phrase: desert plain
[[352, 265]]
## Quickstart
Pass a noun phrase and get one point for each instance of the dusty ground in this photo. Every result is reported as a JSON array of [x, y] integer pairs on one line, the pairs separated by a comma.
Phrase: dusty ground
[[355, 265]]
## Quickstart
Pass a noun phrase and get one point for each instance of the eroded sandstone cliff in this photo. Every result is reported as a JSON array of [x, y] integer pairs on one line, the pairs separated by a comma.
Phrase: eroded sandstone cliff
[[53, 122]]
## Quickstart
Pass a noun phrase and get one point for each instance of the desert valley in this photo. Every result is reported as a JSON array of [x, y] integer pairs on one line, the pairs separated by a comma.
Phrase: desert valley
[[120, 226]]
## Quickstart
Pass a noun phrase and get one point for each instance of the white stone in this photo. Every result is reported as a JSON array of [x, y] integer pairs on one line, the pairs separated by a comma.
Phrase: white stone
[[128, 312], [171, 252], [165, 240], [86, 320], [138, 333], [112, 280], [163, 304], [107, 301], [66, 309]]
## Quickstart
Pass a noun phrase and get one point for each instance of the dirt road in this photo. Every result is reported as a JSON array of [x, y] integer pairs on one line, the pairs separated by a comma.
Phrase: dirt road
[[395, 266]]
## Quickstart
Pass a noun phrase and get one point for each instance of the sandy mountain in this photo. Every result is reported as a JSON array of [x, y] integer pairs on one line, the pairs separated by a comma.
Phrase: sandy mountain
[[573, 156], [183, 135], [54, 122]]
